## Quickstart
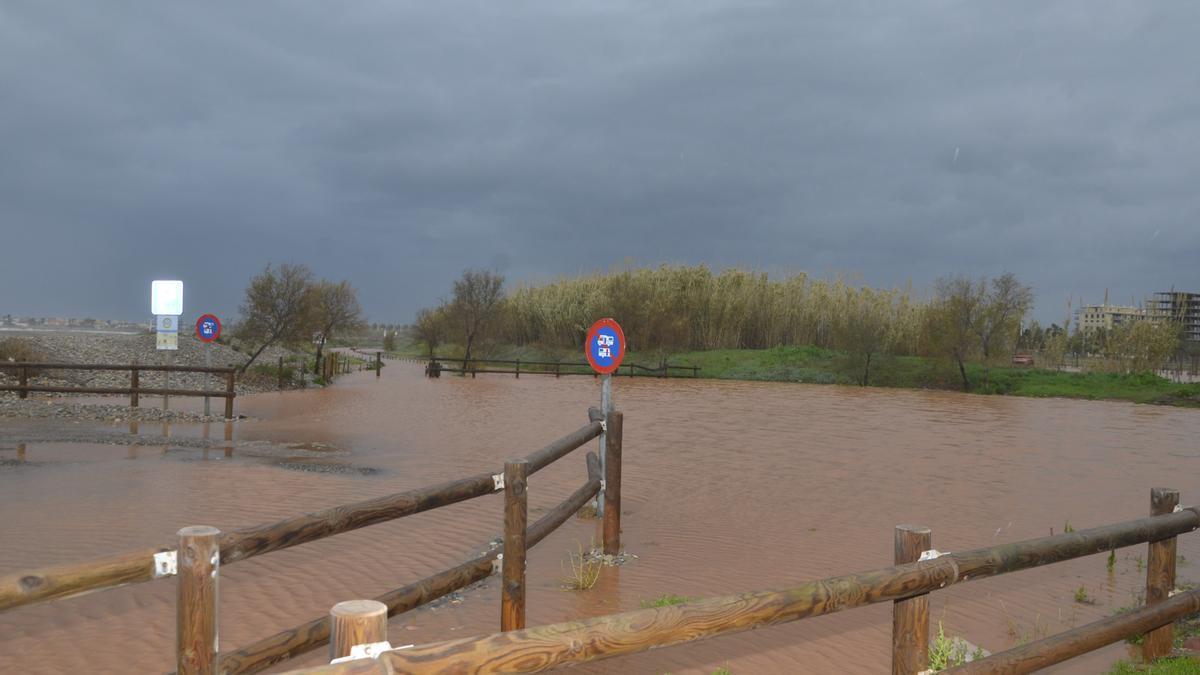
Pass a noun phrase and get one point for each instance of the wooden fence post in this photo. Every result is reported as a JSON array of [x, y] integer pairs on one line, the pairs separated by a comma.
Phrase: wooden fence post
[[612, 483], [557, 373], [516, 516], [280, 373], [518, 369], [23, 380], [378, 362], [356, 622], [229, 394], [1160, 576], [910, 617], [133, 387], [198, 561]]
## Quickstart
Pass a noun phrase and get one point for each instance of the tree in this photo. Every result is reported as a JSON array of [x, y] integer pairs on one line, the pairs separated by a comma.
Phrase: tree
[[974, 317], [999, 320], [477, 299], [277, 308], [389, 340], [953, 318], [430, 327], [863, 328], [335, 309]]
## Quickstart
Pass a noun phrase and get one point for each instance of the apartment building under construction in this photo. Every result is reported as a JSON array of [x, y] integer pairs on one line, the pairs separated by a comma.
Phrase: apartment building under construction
[[1181, 307]]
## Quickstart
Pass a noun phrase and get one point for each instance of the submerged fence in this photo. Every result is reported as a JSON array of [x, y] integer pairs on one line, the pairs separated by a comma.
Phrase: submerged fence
[[919, 570], [134, 390], [201, 551]]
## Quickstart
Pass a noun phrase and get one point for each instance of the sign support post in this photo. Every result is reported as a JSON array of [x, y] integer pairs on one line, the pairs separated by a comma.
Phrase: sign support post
[[605, 348], [207, 376], [208, 329], [166, 303], [606, 407]]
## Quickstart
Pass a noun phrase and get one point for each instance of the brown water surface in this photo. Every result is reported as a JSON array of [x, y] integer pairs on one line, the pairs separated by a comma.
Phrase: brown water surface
[[728, 487]]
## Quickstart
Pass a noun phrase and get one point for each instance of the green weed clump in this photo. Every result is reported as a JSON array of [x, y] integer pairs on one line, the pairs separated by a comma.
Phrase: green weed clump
[[947, 652], [665, 601]]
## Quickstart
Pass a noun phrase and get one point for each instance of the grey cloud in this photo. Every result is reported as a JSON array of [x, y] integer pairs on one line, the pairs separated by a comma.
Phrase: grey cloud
[[395, 144]]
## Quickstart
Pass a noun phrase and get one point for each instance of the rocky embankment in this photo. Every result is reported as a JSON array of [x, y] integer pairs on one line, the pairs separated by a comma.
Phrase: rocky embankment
[[121, 349]]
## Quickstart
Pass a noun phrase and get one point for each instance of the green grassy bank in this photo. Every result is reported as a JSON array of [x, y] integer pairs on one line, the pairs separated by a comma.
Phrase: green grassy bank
[[815, 365]]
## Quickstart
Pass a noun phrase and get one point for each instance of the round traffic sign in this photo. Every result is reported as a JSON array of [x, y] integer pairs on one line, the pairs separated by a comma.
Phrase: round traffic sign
[[605, 346], [208, 328]]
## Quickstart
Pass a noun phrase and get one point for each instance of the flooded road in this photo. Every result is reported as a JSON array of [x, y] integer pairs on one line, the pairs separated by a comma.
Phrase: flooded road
[[728, 487]]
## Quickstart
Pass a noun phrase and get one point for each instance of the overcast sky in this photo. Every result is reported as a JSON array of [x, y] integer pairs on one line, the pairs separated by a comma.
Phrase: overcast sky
[[395, 144]]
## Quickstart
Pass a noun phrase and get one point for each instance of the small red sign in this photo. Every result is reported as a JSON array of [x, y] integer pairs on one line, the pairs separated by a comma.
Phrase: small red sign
[[208, 328], [605, 346]]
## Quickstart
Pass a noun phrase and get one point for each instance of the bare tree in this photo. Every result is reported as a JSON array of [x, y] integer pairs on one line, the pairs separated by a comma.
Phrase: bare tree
[[335, 310], [477, 298], [277, 308], [430, 327]]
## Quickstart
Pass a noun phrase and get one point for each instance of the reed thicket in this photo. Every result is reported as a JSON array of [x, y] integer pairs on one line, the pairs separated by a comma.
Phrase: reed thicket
[[685, 308]]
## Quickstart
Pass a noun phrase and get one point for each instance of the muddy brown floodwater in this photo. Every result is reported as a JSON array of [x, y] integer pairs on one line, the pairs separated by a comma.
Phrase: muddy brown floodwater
[[728, 487]]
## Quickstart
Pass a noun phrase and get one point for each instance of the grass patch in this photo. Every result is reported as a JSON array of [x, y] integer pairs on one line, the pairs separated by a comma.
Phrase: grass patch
[[665, 601], [816, 365], [1179, 665]]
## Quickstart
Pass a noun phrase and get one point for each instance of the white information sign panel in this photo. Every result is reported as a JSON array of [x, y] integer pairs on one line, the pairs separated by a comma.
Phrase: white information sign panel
[[166, 297]]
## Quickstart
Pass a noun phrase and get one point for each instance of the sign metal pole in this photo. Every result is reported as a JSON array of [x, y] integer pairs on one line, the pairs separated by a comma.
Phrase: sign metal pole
[[207, 376], [605, 409]]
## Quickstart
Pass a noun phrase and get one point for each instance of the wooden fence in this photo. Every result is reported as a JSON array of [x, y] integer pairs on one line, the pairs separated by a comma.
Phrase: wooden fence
[[340, 363], [134, 390], [475, 367], [201, 551], [919, 570]]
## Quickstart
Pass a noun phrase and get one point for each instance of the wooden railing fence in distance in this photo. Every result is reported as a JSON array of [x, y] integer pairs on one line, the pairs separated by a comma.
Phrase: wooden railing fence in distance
[[484, 366], [545, 647], [134, 390]]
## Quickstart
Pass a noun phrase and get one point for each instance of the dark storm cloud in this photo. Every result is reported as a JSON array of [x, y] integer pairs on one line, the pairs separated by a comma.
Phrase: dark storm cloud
[[395, 144]]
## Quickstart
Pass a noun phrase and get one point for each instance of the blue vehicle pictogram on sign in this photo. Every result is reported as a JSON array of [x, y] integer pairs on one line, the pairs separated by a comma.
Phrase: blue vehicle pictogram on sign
[[605, 346], [208, 328]]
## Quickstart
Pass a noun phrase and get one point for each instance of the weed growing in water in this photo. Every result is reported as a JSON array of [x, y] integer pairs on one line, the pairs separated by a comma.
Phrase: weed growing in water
[[584, 570], [665, 601]]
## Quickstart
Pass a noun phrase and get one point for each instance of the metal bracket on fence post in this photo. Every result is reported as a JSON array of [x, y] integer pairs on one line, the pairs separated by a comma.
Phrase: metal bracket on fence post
[[370, 650], [166, 564], [932, 554], [498, 481]]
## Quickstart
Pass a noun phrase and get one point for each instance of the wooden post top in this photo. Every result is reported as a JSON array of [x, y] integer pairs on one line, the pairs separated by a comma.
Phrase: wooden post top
[[363, 608], [199, 531]]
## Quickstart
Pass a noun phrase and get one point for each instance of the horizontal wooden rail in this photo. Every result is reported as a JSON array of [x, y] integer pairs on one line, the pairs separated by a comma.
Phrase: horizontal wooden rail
[[540, 459], [120, 390], [545, 647], [553, 364], [1058, 648], [25, 588], [313, 634], [110, 366]]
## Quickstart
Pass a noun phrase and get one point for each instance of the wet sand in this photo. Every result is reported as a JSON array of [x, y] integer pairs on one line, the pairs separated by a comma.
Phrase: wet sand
[[728, 487]]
